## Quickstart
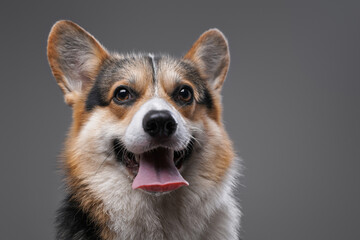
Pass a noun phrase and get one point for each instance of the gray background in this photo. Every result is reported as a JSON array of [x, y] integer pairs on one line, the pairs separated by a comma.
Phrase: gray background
[[291, 105]]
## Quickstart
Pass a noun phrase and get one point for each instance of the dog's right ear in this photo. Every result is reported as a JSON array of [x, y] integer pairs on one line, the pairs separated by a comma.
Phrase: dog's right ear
[[75, 58], [211, 55]]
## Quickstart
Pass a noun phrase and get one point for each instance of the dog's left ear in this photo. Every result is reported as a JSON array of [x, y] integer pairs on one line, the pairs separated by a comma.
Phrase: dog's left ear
[[75, 57], [211, 55]]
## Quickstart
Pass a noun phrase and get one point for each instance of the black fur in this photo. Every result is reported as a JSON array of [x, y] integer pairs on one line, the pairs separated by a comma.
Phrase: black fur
[[206, 99], [109, 74], [103, 82], [95, 98], [74, 224], [192, 74]]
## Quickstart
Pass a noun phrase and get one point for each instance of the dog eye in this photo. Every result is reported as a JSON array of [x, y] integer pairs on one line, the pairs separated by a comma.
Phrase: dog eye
[[121, 95], [185, 94]]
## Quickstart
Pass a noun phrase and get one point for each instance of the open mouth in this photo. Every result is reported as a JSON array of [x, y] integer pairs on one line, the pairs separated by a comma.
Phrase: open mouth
[[155, 170]]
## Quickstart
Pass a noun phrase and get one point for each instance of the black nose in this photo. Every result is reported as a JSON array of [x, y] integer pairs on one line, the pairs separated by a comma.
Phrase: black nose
[[159, 123]]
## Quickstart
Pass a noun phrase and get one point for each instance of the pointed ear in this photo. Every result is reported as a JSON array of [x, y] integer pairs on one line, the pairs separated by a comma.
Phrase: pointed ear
[[211, 55], [75, 58]]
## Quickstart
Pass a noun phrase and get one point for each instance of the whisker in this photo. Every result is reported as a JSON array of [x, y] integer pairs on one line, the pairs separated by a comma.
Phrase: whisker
[[108, 154], [196, 140]]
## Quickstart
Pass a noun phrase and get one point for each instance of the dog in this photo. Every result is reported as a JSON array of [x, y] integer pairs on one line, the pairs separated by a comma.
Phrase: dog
[[147, 155]]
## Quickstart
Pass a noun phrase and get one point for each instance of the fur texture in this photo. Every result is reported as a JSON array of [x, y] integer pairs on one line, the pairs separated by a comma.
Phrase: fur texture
[[107, 137]]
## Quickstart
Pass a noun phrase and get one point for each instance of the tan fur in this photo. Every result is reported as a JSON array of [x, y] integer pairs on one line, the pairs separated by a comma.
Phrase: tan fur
[[92, 172], [194, 54], [76, 180], [100, 54]]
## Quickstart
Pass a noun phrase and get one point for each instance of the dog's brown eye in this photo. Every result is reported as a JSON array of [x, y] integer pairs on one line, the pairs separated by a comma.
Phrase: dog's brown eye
[[185, 94], [122, 95]]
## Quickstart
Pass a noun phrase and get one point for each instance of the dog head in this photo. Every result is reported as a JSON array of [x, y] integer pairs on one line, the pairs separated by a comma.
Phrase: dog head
[[151, 120]]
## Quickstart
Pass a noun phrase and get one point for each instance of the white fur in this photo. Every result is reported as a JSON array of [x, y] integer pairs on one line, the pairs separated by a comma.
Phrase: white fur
[[156, 91], [138, 141], [203, 210], [199, 211]]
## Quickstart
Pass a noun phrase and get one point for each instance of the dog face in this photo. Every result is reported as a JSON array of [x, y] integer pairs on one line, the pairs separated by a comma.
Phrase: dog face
[[153, 121]]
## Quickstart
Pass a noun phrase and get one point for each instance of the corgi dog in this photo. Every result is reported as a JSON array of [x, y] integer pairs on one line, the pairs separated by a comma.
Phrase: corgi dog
[[147, 155]]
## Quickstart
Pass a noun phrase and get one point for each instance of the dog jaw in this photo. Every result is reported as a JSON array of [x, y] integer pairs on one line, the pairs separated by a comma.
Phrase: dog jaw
[[206, 209]]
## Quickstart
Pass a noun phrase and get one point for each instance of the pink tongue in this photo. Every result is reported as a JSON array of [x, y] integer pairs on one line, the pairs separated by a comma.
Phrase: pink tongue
[[157, 172]]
